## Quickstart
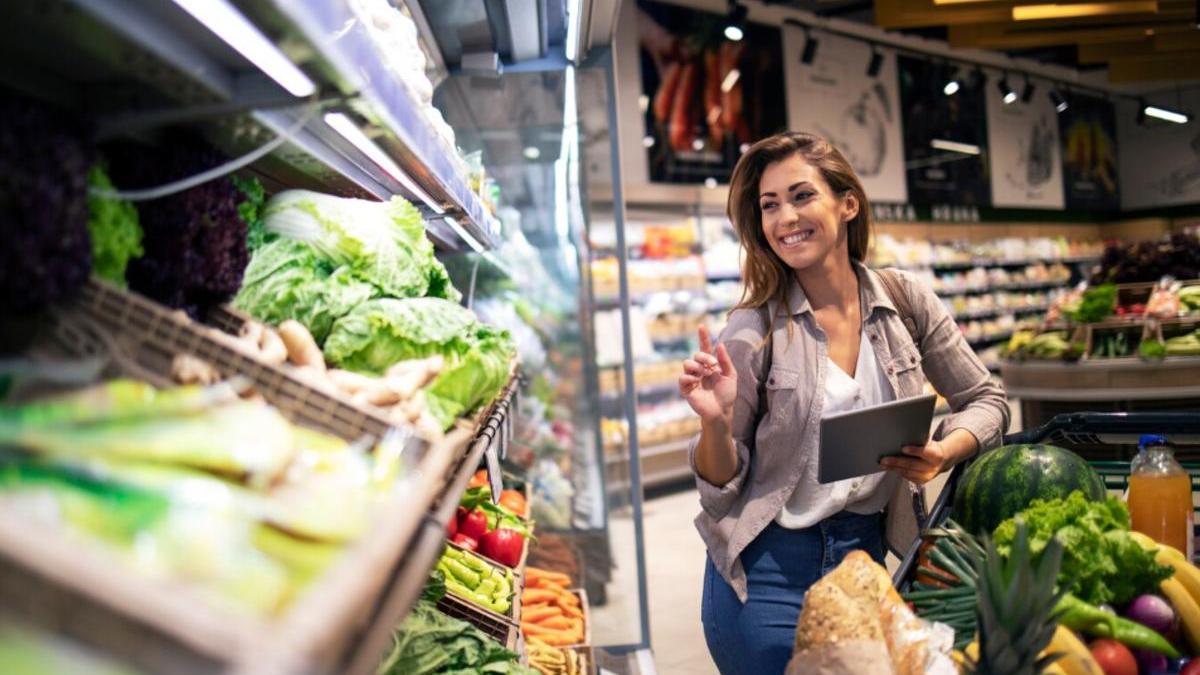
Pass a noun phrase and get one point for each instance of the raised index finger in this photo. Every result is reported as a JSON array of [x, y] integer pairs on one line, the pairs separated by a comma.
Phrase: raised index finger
[[705, 340]]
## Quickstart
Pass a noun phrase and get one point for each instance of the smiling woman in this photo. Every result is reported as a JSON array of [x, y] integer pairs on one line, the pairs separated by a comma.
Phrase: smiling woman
[[816, 334]]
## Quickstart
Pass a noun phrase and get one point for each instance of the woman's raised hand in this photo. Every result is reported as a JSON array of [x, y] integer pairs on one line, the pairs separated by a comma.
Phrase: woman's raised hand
[[709, 380]]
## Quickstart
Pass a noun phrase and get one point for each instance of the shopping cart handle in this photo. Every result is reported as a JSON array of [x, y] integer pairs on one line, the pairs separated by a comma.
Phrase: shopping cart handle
[[1168, 424]]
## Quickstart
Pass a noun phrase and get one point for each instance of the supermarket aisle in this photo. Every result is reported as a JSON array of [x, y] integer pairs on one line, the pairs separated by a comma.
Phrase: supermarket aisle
[[674, 579]]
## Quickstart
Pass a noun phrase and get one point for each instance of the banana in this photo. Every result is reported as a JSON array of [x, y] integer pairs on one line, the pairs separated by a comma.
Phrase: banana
[[1185, 605], [1076, 659]]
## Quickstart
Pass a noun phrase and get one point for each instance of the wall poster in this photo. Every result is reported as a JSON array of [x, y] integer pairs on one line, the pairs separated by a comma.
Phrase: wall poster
[[1027, 172], [705, 97], [1089, 151], [1160, 162], [835, 97], [933, 122]]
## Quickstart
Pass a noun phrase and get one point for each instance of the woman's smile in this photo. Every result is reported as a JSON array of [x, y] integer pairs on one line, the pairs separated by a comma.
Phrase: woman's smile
[[796, 239]]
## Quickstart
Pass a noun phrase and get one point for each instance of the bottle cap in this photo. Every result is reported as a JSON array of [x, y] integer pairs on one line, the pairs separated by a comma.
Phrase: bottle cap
[[1151, 439]]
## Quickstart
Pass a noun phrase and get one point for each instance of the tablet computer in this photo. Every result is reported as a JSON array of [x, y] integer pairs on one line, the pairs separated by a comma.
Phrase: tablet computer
[[853, 442]]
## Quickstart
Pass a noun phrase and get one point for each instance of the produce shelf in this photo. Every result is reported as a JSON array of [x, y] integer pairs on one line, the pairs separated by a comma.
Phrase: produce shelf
[[999, 311], [1022, 286], [998, 262], [341, 623], [183, 73]]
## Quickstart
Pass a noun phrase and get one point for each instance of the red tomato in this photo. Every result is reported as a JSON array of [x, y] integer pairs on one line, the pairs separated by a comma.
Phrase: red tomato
[[1192, 668], [502, 545], [469, 543], [1114, 658], [473, 523]]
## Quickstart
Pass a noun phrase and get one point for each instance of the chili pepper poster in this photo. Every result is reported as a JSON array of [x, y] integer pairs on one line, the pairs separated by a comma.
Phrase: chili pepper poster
[[1024, 147], [1089, 153], [838, 97], [945, 137], [705, 98]]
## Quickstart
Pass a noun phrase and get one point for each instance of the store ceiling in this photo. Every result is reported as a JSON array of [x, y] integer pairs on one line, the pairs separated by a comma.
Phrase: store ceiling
[[1135, 41]]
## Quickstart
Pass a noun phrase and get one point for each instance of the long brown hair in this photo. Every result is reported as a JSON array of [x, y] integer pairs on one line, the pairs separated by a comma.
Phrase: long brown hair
[[766, 275]]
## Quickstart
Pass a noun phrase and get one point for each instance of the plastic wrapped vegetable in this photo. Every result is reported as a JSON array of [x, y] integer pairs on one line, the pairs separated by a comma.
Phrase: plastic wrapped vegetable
[[44, 160]]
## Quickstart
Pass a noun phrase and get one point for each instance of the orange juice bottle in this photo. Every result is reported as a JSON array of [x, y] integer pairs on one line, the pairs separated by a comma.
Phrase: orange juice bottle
[[1160, 496]]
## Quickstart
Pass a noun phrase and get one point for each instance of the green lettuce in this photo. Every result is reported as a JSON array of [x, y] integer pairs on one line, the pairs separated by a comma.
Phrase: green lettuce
[[386, 331], [287, 280], [113, 226], [383, 243], [1101, 563], [383, 332]]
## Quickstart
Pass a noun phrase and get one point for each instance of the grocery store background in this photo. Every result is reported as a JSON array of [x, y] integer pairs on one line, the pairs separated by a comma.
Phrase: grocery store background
[[566, 162]]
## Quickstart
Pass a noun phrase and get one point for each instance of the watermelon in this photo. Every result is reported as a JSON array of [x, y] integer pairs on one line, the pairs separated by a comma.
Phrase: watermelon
[[1003, 482]]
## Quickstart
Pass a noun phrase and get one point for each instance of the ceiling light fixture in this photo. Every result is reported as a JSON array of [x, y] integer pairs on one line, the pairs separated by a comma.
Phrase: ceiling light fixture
[[531, 152], [810, 48], [1076, 10], [1165, 114], [952, 85], [735, 21], [1006, 91], [955, 146], [1059, 101], [223, 19], [951, 88], [876, 63]]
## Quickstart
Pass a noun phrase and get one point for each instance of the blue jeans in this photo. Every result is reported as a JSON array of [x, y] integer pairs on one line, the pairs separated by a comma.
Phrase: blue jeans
[[781, 564]]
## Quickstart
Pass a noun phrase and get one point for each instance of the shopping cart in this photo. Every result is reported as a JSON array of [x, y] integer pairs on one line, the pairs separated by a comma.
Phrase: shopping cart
[[1107, 440]]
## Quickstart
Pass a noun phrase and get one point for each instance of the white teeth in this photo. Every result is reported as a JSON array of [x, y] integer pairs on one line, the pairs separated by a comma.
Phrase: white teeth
[[798, 237]]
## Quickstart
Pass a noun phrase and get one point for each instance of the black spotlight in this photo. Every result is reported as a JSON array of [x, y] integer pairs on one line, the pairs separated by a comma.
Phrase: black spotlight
[[1059, 101], [978, 79], [735, 22], [1027, 94], [876, 63], [1141, 113], [810, 48]]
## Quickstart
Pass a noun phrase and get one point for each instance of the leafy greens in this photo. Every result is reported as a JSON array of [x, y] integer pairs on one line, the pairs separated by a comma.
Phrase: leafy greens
[[113, 225], [1102, 564], [430, 642]]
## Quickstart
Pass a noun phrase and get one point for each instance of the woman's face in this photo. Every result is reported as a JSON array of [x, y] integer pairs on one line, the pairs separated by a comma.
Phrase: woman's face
[[802, 219]]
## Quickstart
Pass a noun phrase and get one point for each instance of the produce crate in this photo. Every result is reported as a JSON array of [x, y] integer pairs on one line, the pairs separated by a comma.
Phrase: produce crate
[[492, 624], [1084, 433], [165, 626], [513, 614], [587, 617]]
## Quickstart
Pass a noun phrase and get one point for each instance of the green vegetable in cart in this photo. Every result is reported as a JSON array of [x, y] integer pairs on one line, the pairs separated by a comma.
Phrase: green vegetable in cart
[[429, 643], [1079, 615], [1102, 564]]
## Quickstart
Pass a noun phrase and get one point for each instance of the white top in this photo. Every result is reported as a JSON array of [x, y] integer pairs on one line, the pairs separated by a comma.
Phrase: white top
[[813, 502]]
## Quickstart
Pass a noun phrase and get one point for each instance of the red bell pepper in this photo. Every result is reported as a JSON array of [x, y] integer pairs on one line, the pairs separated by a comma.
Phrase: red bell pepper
[[502, 545], [473, 523], [466, 542]]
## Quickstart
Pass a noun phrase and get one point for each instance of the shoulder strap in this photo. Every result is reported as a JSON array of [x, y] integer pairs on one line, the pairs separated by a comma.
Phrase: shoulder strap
[[895, 290]]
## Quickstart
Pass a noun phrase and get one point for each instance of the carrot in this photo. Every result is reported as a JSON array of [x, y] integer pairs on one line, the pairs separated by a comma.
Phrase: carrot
[[539, 614], [558, 623], [568, 599], [535, 595], [570, 611], [553, 577]]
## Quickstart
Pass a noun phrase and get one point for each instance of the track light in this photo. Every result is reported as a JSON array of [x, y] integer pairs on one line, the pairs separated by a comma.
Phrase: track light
[[735, 22], [1060, 103], [1006, 91], [978, 79], [810, 48], [952, 84], [1027, 94], [876, 63], [1165, 114], [1141, 112]]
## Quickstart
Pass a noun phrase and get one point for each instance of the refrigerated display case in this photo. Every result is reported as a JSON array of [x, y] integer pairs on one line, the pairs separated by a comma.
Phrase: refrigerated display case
[[331, 97]]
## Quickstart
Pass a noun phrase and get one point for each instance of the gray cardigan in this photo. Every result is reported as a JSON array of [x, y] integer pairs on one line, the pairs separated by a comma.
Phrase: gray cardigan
[[778, 411]]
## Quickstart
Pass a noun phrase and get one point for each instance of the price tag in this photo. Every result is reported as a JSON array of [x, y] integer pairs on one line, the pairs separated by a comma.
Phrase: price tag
[[492, 457]]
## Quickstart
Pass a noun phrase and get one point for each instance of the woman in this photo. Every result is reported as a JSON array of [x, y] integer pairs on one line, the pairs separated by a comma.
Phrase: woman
[[816, 333]]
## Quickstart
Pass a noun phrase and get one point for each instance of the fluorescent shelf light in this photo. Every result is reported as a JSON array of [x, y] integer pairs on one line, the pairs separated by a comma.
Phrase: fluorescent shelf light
[[730, 80], [1166, 115], [224, 20], [1081, 9], [574, 25], [345, 126], [954, 146]]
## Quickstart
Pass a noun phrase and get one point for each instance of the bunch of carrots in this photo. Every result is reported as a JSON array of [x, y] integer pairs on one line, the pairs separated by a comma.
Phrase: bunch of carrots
[[550, 613]]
